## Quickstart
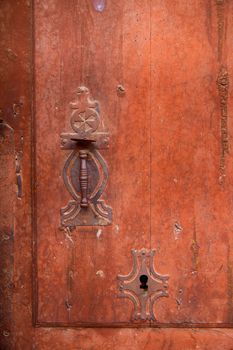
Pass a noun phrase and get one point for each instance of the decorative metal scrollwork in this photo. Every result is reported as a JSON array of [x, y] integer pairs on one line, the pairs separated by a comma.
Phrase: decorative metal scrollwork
[[143, 286], [85, 172]]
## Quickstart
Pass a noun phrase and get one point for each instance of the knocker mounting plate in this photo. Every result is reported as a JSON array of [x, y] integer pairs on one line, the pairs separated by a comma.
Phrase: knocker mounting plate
[[85, 172], [143, 285]]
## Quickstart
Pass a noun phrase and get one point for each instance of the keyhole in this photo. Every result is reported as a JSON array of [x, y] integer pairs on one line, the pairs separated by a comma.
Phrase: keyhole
[[143, 279]]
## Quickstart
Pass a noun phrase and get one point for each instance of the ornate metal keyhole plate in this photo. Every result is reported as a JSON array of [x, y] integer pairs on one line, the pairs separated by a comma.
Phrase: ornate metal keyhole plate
[[143, 285], [85, 172]]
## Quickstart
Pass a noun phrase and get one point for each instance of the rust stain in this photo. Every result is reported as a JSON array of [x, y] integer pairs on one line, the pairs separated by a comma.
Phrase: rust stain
[[223, 88]]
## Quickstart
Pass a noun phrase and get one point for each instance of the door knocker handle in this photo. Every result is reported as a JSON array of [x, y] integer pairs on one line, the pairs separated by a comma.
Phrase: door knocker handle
[[85, 172], [83, 177]]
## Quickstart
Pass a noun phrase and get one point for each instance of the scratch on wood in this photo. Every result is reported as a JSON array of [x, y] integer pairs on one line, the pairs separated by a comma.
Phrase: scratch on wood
[[195, 250], [70, 271], [223, 88], [177, 230], [68, 235], [70, 283], [221, 26], [18, 176], [70, 278]]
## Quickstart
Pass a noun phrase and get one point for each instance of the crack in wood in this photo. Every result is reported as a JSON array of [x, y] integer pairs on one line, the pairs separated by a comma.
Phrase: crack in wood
[[223, 88]]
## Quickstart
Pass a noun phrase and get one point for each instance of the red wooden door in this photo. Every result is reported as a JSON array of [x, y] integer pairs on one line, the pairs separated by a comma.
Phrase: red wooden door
[[139, 93]]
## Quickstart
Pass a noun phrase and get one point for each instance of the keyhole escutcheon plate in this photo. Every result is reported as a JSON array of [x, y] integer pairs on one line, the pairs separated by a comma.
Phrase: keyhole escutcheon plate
[[143, 285]]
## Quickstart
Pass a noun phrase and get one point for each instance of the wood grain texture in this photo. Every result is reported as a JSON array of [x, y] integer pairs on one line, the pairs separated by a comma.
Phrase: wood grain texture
[[148, 339], [7, 177], [192, 233], [106, 48], [15, 163], [165, 159], [191, 220]]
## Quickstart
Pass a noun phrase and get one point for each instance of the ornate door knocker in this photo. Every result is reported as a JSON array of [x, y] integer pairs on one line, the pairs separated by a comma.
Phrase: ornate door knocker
[[85, 172]]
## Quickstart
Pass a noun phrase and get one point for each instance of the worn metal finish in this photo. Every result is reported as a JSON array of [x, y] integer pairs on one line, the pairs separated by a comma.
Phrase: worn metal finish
[[143, 285], [87, 209], [82, 211], [83, 178]]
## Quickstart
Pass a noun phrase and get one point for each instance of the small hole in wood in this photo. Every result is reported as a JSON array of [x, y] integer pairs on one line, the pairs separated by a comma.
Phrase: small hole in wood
[[99, 5]]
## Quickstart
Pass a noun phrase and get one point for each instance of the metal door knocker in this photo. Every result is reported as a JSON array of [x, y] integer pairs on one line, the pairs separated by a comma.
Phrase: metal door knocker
[[85, 172]]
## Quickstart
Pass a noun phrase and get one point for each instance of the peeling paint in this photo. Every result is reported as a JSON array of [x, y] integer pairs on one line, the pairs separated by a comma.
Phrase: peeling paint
[[100, 273], [120, 90], [99, 233], [117, 229]]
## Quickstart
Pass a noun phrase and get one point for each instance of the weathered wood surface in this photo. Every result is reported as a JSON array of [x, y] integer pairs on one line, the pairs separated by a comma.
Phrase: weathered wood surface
[[170, 170], [15, 172]]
